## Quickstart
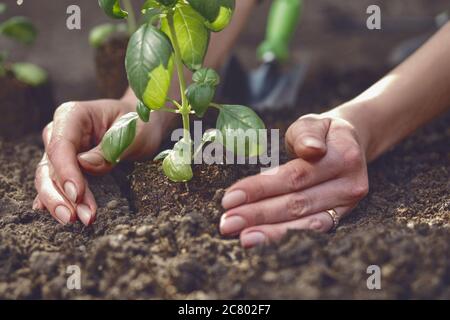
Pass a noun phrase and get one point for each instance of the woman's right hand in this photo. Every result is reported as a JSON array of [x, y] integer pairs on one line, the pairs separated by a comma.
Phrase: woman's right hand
[[72, 147]]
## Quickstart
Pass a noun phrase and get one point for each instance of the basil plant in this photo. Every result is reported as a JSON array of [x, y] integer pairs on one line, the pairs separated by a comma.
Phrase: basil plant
[[21, 30], [175, 34]]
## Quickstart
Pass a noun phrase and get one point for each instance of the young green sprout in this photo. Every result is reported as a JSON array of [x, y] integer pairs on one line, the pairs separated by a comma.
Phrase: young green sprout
[[101, 33], [21, 30], [174, 35]]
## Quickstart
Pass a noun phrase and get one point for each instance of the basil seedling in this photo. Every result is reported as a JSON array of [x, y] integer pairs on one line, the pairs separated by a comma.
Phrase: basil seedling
[[101, 33], [21, 30], [175, 35]]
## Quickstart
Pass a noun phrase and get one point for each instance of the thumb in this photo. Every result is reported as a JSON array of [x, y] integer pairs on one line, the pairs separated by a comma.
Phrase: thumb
[[93, 162], [306, 138]]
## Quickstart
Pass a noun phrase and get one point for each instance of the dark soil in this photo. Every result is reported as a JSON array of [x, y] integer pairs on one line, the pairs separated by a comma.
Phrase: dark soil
[[109, 62], [23, 109], [170, 247]]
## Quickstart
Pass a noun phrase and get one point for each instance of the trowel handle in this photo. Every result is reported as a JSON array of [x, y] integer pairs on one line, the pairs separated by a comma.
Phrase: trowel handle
[[284, 17]]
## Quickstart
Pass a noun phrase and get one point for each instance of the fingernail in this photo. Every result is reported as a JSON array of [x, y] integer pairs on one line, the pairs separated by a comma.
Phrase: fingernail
[[35, 204], [313, 143], [94, 159], [232, 224], [316, 225], [233, 199], [252, 239], [63, 214], [84, 213], [71, 191]]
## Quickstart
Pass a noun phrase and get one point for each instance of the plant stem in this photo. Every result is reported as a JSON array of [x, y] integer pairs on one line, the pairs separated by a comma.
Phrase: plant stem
[[215, 105], [174, 102], [185, 108], [131, 20], [169, 110]]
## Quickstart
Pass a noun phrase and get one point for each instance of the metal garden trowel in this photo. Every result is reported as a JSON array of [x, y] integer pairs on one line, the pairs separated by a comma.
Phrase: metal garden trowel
[[273, 85]]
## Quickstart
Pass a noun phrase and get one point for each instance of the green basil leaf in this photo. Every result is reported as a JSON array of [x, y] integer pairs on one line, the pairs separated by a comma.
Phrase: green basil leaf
[[149, 65], [192, 35], [162, 155], [29, 73], [119, 137], [200, 96], [206, 76], [208, 136], [168, 3], [143, 111], [241, 124], [223, 19], [20, 29], [149, 5], [101, 33], [208, 9], [151, 16], [177, 164], [2, 8], [112, 9]]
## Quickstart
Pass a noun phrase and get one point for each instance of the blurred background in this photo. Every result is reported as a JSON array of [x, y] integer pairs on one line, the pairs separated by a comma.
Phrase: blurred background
[[331, 33]]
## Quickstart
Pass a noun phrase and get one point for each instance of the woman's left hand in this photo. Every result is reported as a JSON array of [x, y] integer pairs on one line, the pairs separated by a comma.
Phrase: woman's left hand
[[329, 172]]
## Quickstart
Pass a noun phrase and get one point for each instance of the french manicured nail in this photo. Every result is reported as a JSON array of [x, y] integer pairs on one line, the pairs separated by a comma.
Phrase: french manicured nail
[[71, 191], [36, 204], [253, 239], [316, 225], [63, 214], [233, 199], [313, 143], [84, 213], [232, 224], [94, 159]]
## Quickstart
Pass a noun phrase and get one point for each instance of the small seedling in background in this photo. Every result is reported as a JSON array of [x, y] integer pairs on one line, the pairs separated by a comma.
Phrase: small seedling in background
[[21, 30], [101, 33], [175, 34]]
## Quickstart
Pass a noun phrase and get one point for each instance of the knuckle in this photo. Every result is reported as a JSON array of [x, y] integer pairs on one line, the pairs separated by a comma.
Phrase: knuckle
[[296, 177], [296, 205], [314, 121], [67, 107], [352, 158], [46, 130], [359, 190], [309, 117], [252, 186]]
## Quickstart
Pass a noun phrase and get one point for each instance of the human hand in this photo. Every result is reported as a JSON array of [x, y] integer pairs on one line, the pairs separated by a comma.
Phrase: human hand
[[72, 147], [329, 172]]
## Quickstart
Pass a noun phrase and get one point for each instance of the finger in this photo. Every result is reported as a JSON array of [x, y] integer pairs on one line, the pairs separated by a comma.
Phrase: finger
[[254, 236], [50, 197], [295, 175], [47, 134], [93, 162], [289, 207], [86, 211], [37, 204], [66, 135], [306, 138]]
